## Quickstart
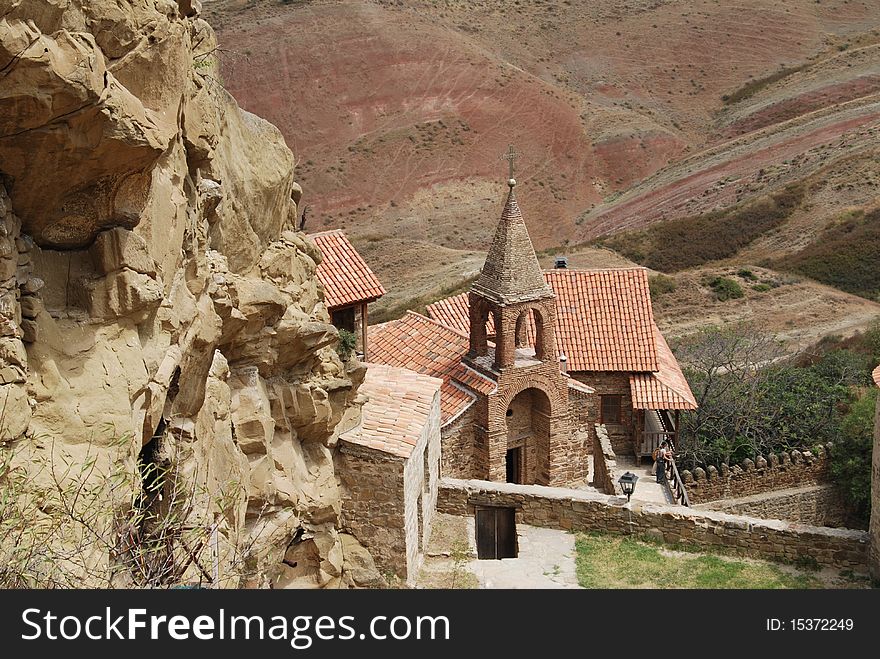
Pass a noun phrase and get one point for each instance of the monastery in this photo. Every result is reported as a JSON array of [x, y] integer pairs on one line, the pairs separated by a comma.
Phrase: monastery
[[506, 382]]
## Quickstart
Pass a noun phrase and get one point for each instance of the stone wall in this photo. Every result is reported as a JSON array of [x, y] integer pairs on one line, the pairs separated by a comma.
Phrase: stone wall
[[604, 463], [580, 407], [588, 511], [818, 505], [776, 472], [374, 506], [604, 384], [421, 479], [388, 502], [457, 439]]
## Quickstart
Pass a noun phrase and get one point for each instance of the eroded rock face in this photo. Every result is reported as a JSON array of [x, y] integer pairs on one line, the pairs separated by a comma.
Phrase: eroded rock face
[[153, 290]]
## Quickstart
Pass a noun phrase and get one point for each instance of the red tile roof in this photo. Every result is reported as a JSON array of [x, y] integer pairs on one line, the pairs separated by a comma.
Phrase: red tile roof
[[604, 319], [454, 312], [345, 275], [665, 389], [399, 406], [876, 375], [426, 346]]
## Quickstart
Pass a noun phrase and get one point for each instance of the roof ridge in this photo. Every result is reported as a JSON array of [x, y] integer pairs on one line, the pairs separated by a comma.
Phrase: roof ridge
[[326, 232], [435, 322], [632, 268]]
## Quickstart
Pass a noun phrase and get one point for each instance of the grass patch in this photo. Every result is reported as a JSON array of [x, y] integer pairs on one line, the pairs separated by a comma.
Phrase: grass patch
[[761, 288], [843, 256], [754, 86], [605, 561], [692, 241]]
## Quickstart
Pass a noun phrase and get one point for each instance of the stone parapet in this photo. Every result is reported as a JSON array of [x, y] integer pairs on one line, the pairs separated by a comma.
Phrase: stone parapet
[[757, 475], [577, 510]]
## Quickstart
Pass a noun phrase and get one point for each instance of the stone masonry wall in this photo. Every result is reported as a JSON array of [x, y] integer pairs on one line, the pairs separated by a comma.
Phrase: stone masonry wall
[[580, 406], [420, 492], [588, 511], [818, 505], [604, 384], [458, 446], [604, 463], [373, 508], [776, 472]]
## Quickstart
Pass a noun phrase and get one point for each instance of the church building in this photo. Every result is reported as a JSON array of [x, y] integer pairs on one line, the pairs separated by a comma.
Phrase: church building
[[532, 361]]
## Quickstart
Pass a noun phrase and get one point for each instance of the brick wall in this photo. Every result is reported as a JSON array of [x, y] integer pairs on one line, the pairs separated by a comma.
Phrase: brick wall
[[818, 505], [588, 511], [458, 446], [775, 472]]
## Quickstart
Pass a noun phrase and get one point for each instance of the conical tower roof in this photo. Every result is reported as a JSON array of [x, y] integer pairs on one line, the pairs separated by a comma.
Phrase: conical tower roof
[[511, 273]]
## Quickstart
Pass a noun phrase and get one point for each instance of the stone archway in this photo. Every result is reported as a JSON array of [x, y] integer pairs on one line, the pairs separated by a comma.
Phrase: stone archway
[[527, 425], [529, 332]]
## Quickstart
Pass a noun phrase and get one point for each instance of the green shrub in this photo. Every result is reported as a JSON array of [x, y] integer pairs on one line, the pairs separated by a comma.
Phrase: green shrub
[[347, 343], [851, 455], [843, 256], [661, 285], [761, 288], [726, 289], [747, 274], [692, 241]]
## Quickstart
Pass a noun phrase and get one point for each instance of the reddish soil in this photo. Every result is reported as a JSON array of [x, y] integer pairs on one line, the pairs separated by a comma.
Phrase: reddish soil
[[804, 104], [399, 112], [721, 181]]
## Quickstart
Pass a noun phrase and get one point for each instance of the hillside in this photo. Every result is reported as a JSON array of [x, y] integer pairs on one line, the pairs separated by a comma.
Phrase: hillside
[[625, 114]]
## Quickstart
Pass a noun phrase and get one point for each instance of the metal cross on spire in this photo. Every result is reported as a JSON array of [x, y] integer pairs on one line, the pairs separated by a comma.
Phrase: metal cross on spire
[[510, 157]]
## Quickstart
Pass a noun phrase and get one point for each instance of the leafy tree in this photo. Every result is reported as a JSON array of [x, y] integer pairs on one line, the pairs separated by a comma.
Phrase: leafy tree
[[851, 456]]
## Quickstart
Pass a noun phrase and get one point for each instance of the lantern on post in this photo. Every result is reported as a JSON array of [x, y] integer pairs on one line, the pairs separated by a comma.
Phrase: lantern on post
[[628, 484]]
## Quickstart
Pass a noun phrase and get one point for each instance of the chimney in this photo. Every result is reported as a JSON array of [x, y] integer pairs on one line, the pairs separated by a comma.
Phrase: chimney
[[563, 363], [560, 263]]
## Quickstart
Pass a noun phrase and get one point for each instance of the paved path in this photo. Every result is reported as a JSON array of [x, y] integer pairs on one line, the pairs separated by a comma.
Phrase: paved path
[[647, 487], [546, 559]]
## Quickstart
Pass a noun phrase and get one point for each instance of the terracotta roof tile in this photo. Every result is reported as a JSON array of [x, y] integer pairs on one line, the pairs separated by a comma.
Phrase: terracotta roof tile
[[345, 275], [876, 375], [665, 389], [398, 408], [425, 346], [604, 319]]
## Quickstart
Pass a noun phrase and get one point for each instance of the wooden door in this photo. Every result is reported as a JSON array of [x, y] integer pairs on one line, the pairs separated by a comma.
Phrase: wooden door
[[496, 533]]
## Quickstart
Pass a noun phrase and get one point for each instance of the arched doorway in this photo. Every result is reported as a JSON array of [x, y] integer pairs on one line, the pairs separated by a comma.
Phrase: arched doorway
[[528, 438]]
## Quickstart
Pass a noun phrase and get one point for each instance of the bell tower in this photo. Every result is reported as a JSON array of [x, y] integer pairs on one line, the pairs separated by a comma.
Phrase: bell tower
[[512, 291], [521, 430]]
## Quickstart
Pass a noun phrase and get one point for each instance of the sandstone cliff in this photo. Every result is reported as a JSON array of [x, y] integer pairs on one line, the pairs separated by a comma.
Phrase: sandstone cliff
[[155, 301]]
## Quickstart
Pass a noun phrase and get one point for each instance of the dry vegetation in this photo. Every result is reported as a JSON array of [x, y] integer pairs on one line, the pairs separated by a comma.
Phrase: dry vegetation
[[625, 116]]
